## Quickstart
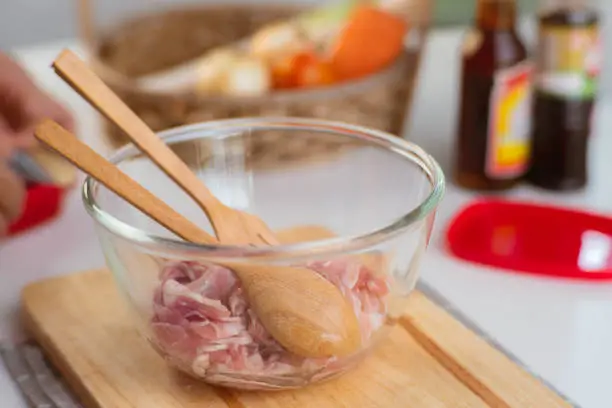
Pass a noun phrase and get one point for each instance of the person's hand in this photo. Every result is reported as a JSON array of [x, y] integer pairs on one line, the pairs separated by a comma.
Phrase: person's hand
[[22, 106]]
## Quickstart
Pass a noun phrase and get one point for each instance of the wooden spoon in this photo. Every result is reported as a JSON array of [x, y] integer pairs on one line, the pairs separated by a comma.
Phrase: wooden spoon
[[304, 312]]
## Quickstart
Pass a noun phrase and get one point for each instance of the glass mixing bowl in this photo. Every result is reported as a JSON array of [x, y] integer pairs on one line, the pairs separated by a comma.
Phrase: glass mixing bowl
[[366, 214]]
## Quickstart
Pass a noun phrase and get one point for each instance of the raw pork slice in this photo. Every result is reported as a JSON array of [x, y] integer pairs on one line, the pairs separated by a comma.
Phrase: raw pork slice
[[202, 320]]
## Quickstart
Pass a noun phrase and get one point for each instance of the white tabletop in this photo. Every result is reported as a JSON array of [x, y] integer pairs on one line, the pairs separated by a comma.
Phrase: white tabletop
[[559, 329]]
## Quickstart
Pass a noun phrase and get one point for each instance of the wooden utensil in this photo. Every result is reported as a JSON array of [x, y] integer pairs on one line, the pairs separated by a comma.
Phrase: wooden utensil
[[231, 226], [303, 311]]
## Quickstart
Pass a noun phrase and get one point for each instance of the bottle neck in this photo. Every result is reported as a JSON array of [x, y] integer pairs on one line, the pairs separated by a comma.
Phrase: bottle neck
[[494, 15]]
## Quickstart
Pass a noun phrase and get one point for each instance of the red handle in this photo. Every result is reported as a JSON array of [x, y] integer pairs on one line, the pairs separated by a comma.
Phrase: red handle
[[43, 203]]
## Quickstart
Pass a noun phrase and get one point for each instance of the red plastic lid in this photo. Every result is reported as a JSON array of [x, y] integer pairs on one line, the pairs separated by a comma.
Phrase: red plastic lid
[[535, 239]]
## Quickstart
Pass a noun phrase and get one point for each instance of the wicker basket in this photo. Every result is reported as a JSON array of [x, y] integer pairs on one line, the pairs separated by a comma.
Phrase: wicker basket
[[154, 41]]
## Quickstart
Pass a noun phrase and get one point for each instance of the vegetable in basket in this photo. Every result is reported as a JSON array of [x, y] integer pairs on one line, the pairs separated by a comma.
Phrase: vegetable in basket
[[338, 42]]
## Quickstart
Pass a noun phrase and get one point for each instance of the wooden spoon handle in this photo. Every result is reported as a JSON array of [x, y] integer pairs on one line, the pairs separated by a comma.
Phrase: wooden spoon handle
[[87, 84], [109, 175]]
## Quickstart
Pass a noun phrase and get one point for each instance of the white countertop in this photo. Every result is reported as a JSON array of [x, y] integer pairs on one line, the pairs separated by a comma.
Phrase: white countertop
[[559, 329]]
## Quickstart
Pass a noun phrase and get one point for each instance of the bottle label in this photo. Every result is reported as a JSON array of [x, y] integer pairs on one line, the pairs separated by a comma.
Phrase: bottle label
[[508, 147], [569, 61]]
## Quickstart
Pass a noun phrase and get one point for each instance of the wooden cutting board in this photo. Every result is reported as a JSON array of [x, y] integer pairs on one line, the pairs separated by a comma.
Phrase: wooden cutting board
[[429, 360]]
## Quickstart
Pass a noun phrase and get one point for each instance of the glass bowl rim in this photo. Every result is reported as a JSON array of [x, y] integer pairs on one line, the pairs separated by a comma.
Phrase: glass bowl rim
[[212, 129]]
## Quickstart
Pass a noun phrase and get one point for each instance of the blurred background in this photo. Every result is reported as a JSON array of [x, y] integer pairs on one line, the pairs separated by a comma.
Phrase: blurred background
[[48, 20]]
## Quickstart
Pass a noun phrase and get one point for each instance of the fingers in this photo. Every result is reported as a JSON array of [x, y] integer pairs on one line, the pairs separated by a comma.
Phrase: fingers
[[12, 196], [7, 141], [41, 106], [23, 105], [3, 226], [35, 109], [12, 191]]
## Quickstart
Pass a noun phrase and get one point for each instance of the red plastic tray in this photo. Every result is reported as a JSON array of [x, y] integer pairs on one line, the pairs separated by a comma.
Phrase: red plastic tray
[[531, 238], [43, 203]]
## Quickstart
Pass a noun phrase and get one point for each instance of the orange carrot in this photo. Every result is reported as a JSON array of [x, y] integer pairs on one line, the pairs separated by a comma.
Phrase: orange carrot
[[283, 76], [371, 40], [301, 70], [312, 72]]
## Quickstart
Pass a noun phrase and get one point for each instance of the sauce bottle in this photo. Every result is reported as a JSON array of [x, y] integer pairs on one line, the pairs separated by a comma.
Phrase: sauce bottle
[[495, 107], [567, 69]]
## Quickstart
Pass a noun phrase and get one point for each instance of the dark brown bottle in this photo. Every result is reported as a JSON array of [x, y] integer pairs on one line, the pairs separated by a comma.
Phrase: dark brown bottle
[[492, 149], [565, 90]]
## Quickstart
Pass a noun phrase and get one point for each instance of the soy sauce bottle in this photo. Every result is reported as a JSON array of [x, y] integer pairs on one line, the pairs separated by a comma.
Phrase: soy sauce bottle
[[568, 66], [493, 135]]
